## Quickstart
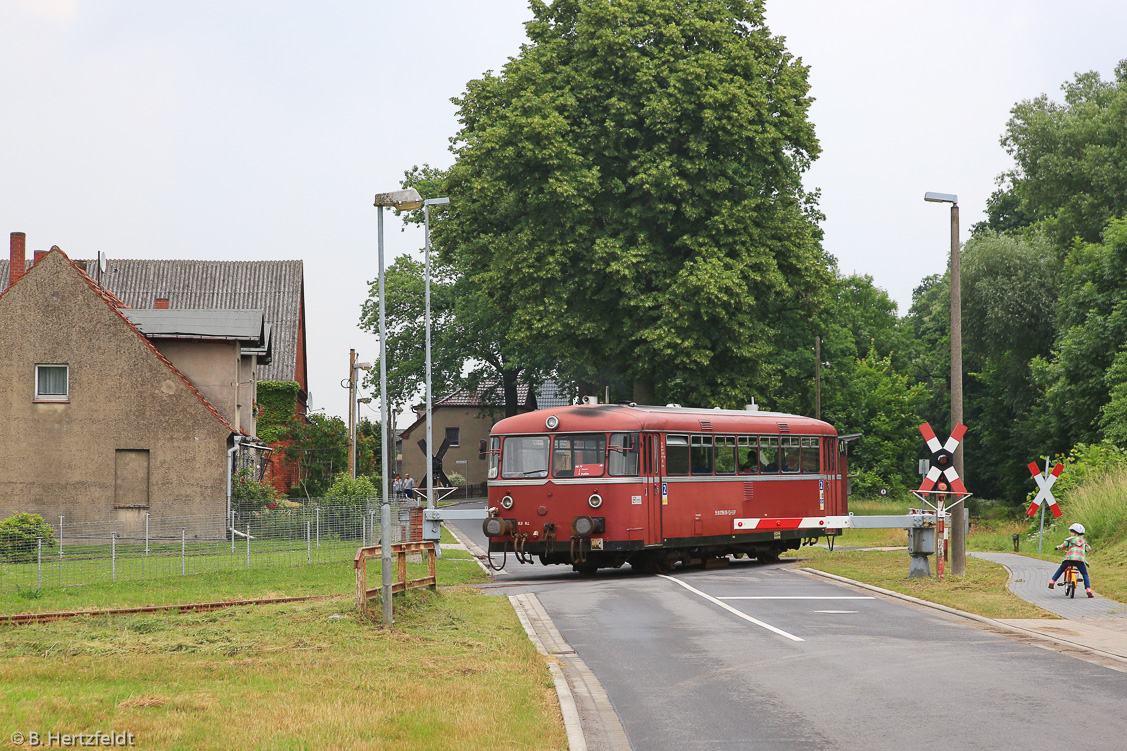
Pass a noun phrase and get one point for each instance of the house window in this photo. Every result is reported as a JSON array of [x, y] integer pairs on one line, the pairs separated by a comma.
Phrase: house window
[[52, 383], [452, 435]]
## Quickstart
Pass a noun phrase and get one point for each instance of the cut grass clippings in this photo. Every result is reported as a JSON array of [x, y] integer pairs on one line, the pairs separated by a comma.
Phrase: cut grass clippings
[[456, 672]]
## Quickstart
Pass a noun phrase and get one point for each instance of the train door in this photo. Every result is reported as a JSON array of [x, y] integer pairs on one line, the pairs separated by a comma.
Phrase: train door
[[831, 482], [651, 492]]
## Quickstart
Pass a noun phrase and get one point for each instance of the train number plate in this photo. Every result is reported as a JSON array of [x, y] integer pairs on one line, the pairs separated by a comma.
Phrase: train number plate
[[636, 500]]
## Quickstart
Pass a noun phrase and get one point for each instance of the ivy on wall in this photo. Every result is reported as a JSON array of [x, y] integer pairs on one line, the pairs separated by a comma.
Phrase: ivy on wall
[[277, 401]]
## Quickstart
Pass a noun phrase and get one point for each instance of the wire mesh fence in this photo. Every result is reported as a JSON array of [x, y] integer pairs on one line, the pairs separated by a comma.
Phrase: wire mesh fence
[[152, 547]]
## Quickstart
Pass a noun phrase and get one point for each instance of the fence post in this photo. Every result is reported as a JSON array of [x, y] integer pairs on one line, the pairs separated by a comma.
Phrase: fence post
[[183, 554], [39, 580], [248, 544], [60, 537], [318, 510], [113, 554], [308, 542], [232, 528], [146, 533]]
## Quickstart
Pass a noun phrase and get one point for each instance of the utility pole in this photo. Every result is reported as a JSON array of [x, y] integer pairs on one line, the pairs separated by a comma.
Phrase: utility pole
[[351, 412], [817, 377], [959, 510]]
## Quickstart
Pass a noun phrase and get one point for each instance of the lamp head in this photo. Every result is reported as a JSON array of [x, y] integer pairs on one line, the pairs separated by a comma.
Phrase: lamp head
[[941, 198], [400, 200]]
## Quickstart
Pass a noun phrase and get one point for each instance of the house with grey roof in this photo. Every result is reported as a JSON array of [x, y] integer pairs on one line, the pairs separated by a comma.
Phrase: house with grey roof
[[96, 422]]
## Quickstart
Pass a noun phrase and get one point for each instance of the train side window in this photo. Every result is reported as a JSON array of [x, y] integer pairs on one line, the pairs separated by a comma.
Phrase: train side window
[[579, 456], [725, 454], [702, 454], [810, 461], [676, 454], [769, 455], [791, 453], [748, 454], [494, 456], [623, 459]]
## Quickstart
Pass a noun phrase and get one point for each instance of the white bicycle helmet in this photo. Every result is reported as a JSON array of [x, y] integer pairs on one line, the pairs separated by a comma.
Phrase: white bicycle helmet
[[1077, 529]]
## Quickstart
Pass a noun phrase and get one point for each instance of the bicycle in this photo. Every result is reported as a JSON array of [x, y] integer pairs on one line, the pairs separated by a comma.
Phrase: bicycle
[[1071, 579]]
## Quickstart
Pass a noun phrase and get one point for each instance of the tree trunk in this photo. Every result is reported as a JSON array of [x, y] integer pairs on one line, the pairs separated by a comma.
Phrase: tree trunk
[[509, 384], [644, 391]]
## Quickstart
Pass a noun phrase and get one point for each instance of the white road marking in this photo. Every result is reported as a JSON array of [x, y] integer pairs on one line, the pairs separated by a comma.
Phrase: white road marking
[[833, 612], [795, 598], [732, 610]]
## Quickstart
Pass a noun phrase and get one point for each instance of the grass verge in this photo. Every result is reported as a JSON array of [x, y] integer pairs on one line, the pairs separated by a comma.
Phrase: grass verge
[[982, 591], [456, 672]]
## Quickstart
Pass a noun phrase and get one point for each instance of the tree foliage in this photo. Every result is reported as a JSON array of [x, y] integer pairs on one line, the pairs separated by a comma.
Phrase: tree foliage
[[318, 445], [1070, 172], [627, 192], [20, 535]]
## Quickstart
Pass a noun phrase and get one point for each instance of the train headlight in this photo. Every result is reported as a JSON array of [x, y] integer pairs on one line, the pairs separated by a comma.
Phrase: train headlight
[[507, 502], [595, 500], [552, 422]]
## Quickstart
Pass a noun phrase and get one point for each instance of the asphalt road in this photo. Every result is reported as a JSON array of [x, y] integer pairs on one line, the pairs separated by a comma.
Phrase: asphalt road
[[760, 656]]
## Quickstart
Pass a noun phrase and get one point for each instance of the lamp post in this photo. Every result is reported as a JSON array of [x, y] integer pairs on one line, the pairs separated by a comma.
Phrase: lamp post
[[400, 200], [430, 428], [958, 511]]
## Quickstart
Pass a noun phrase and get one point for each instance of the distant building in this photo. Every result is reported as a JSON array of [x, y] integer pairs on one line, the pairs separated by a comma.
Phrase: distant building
[[463, 419], [96, 421]]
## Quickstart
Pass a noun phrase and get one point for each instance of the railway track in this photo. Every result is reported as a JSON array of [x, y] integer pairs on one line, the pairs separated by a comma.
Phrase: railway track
[[20, 619]]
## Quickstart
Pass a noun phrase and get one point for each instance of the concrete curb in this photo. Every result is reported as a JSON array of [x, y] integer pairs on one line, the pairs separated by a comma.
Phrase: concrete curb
[[589, 717], [1002, 625]]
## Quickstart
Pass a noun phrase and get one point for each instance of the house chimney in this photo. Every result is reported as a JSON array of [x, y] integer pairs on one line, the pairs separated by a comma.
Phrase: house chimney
[[18, 266], [38, 256], [162, 303]]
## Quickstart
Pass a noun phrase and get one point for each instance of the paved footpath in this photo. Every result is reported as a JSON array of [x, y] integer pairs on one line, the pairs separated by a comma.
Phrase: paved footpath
[[1097, 624]]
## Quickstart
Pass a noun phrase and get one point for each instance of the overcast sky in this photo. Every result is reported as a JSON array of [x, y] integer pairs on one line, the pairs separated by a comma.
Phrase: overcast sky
[[243, 130]]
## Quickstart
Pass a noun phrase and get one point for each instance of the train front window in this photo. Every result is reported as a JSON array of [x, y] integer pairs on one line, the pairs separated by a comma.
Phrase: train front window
[[580, 456], [810, 455], [791, 454], [725, 454], [623, 454], [748, 453], [524, 456], [702, 454], [677, 454]]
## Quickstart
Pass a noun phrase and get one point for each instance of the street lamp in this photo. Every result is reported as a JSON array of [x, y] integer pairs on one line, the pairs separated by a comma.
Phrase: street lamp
[[430, 428], [400, 200], [958, 512]]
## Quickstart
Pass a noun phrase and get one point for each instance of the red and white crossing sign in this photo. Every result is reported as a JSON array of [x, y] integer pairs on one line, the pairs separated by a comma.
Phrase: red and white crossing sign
[[942, 477], [1044, 488]]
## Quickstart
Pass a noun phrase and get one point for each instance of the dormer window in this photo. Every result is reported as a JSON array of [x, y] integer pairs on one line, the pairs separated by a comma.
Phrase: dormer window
[[52, 383]]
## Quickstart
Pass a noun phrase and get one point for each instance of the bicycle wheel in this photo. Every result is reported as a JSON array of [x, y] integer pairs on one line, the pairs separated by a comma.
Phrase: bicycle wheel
[[1070, 590]]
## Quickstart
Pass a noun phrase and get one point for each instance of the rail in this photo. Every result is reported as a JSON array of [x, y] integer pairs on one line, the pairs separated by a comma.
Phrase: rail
[[401, 584]]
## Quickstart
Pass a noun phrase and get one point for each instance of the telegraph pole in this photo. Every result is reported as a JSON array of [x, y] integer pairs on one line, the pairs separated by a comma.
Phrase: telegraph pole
[[351, 411]]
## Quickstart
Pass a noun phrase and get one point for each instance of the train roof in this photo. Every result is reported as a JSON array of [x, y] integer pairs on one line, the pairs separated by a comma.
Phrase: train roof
[[577, 418]]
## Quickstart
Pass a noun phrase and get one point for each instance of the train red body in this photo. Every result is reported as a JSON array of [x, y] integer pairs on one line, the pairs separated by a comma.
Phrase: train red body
[[601, 485]]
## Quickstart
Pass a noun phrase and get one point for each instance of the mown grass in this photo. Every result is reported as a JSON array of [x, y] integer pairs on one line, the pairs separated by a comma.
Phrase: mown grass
[[982, 591], [456, 672]]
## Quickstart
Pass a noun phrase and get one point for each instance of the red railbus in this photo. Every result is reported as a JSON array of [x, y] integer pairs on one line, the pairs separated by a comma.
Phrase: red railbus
[[599, 485]]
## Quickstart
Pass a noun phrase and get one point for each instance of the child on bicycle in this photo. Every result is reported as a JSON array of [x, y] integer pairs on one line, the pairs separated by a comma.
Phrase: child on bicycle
[[1075, 551]]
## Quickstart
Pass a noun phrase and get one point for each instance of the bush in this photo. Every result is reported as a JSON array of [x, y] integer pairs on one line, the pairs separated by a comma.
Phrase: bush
[[249, 494], [345, 490], [19, 534], [456, 479]]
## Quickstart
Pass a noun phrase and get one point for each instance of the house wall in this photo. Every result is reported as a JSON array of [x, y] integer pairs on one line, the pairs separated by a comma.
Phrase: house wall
[[475, 426], [131, 428]]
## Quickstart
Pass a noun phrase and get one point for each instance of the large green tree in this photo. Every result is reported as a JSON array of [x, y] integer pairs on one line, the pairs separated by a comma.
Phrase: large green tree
[[627, 194], [1070, 171]]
